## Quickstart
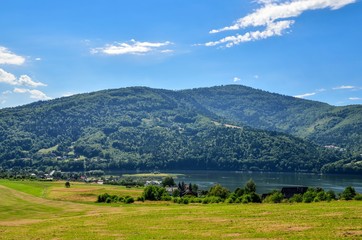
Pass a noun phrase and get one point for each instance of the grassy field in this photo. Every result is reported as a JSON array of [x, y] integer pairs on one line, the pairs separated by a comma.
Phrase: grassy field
[[44, 210]]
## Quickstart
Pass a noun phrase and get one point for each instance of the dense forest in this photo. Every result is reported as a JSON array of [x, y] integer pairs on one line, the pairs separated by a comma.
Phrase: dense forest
[[225, 128]]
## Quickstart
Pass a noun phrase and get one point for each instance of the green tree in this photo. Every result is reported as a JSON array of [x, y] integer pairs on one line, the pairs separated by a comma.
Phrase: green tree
[[154, 193], [168, 181], [349, 193], [219, 191], [250, 186]]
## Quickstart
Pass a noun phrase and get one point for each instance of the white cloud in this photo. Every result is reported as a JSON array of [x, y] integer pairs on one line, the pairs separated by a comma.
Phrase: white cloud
[[133, 47], [344, 87], [34, 94], [24, 80], [275, 17], [7, 57], [38, 59], [311, 94], [305, 95], [355, 98], [7, 78], [237, 79], [167, 51]]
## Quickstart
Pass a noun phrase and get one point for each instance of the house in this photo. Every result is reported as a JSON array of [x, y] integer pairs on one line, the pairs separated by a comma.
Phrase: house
[[289, 192], [186, 190]]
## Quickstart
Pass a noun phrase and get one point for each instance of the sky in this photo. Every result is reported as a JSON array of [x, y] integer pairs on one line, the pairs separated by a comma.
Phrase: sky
[[308, 49]]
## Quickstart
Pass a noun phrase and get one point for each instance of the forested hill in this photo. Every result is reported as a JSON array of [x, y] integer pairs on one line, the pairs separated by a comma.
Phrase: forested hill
[[144, 128], [319, 122]]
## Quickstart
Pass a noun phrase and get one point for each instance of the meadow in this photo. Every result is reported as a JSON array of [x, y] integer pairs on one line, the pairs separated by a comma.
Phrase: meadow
[[48, 210]]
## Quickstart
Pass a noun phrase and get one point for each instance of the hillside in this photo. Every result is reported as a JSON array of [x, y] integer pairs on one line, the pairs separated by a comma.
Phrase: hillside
[[319, 122], [144, 128]]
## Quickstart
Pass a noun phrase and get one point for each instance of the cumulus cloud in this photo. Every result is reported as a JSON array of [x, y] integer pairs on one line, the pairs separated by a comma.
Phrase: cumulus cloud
[[132, 47], [237, 79], [34, 94], [23, 80], [7, 57], [275, 17]]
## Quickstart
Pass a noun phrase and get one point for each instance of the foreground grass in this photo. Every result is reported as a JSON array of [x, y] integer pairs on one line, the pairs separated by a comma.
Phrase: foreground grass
[[39, 218]]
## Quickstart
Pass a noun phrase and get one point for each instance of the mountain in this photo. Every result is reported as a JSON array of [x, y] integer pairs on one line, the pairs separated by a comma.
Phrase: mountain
[[144, 128], [318, 122]]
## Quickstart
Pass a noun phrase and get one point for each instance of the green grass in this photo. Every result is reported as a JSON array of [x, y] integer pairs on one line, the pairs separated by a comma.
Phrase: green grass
[[24, 216], [35, 188]]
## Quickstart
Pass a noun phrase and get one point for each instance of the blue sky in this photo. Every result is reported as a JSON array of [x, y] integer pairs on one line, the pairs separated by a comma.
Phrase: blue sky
[[305, 48]]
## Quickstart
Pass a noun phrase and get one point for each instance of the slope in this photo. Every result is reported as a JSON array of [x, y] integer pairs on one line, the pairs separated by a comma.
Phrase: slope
[[316, 121], [143, 128]]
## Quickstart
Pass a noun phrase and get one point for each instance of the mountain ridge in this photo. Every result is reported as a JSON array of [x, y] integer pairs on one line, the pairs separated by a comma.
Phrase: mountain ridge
[[145, 128]]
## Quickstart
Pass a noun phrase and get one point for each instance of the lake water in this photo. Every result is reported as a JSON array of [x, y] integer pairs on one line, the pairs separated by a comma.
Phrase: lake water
[[267, 182]]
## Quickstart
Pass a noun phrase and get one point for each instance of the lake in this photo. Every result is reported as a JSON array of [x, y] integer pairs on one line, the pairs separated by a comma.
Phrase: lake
[[267, 182]]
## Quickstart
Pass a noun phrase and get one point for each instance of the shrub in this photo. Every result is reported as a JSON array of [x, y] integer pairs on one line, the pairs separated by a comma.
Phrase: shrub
[[297, 198], [330, 195], [358, 197], [154, 193], [219, 191], [255, 198], [348, 194], [176, 193], [166, 198], [309, 195], [275, 197], [246, 198], [141, 199], [128, 200], [321, 196]]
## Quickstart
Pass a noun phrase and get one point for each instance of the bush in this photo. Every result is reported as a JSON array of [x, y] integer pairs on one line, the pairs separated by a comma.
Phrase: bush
[[154, 193], [141, 199], [297, 198], [106, 198], [219, 191], [330, 195], [321, 196], [358, 197], [275, 197], [211, 199], [166, 198], [348, 194], [246, 198], [309, 195], [255, 198]]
